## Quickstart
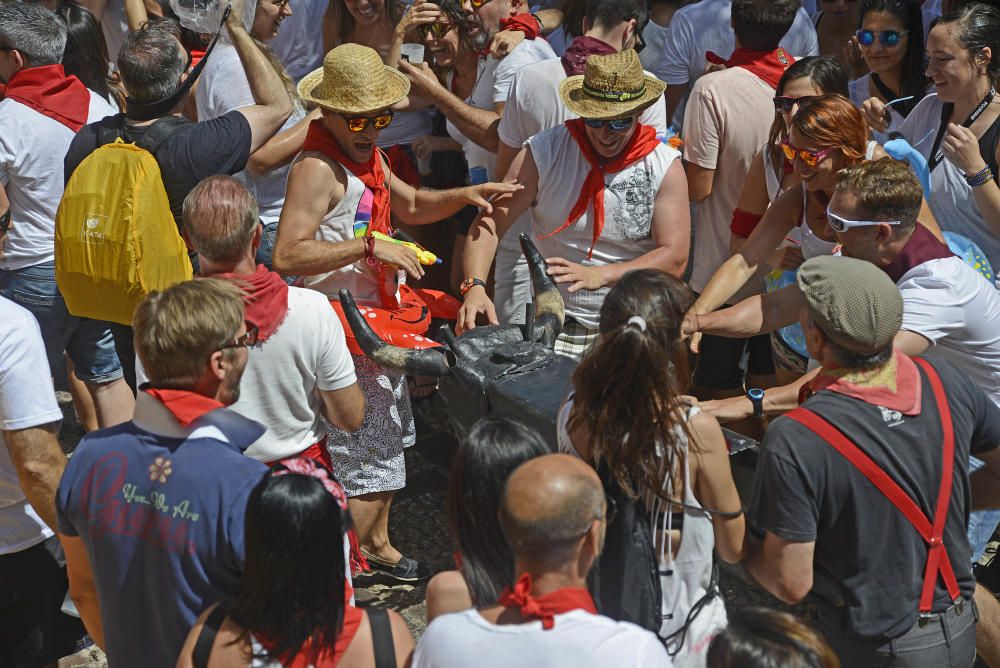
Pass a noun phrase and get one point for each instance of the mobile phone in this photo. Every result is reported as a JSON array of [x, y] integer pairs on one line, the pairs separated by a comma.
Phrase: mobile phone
[[5, 222]]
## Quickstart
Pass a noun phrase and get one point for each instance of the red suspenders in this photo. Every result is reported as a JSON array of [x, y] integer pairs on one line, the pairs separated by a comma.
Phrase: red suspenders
[[937, 556]]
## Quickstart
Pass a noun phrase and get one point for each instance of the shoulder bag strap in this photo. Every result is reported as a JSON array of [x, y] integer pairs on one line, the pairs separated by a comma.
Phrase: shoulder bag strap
[[159, 132], [381, 626], [203, 647]]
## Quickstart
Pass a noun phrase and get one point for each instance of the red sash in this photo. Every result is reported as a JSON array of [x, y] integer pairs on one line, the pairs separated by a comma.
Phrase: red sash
[[768, 66], [545, 607], [49, 91], [643, 143]]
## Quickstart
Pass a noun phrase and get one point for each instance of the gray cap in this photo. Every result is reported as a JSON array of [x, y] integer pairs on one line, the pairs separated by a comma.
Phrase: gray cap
[[854, 302]]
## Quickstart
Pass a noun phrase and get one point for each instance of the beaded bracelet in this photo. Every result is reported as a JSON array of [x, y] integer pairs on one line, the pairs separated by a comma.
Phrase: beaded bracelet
[[980, 178]]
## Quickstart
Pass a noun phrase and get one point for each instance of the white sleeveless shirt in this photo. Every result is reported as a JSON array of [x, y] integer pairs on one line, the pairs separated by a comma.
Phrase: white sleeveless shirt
[[338, 225], [628, 212]]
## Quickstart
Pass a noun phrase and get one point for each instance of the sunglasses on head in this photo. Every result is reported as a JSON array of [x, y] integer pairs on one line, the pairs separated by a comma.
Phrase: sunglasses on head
[[359, 123], [617, 125], [840, 224], [889, 38], [439, 30], [810, 158], [785, 104]]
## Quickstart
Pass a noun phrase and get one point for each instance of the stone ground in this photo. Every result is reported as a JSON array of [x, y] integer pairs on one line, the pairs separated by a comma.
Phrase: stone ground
[[417, 526]]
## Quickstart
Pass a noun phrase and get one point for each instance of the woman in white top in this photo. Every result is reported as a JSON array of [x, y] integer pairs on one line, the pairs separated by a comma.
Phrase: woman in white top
[[891, 39], [629, 418], [224, 86], [958, 129]]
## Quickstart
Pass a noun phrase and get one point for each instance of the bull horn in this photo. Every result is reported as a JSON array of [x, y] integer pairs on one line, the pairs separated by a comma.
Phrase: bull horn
[[428, 362], [550, 312]]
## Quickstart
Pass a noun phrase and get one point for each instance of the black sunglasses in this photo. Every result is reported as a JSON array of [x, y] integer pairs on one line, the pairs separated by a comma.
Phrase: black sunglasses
[[785, 104], [248, 340]]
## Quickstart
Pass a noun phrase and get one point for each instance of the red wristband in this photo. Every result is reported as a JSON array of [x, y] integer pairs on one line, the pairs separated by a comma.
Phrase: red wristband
[[744, 222], [370, 250]]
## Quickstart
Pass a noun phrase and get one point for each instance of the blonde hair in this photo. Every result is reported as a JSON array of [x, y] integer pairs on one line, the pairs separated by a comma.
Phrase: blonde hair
[[178, 329]]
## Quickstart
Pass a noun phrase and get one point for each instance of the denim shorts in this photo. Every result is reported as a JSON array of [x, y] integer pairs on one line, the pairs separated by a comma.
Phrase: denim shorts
[[269, 233], [982, 523], [88, 343]]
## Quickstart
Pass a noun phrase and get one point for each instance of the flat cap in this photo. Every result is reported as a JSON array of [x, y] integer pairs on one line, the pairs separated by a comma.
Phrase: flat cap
[[854, 302]]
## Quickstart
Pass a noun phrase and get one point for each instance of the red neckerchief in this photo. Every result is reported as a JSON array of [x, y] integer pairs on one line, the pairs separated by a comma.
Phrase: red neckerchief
[[525, 23], [184, 405], [265, 299], [574, 61], [921, 247], [49, 91], [768, 66], [326, 659], [643, 143], [894, 385], [545, 607]]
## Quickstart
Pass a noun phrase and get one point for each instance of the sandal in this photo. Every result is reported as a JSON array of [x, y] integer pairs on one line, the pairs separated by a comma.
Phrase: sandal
[[404, 570]]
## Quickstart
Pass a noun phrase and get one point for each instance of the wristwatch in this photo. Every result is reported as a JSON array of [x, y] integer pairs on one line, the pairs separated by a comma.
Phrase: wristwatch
[[756, 397], [470, 283]]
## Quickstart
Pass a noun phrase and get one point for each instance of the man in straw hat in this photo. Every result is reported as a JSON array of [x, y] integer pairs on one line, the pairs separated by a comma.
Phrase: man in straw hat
[[339, 193], [868, 481], [605, 196]]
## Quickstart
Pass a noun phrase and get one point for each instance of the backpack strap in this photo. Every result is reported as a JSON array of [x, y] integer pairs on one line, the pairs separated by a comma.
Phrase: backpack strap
[[206, 639], [381, 626], [937, 557], [159, 132]]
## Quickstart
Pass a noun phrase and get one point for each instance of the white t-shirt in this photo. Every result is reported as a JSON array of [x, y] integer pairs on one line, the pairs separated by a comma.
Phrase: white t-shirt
[[706, 26], [534, 105], [299, 42], [32, 148], [27, 399], [578, 640], [949, 303], [223, 87]]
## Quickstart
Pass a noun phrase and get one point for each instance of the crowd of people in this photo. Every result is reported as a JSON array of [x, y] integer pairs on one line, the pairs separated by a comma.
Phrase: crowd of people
[[779, 216]]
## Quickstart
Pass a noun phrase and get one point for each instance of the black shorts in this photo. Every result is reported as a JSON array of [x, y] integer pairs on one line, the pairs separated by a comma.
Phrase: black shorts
[[33, 629], [723, 362]]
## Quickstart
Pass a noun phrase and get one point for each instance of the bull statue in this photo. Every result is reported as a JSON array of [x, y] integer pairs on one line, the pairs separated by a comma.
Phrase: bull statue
[[508, 370]]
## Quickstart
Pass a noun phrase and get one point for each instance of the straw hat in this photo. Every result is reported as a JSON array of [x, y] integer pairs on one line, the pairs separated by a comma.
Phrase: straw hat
[[353, 80], [612, 86]]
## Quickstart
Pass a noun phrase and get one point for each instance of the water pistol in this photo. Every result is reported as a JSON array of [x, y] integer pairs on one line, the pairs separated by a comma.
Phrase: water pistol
[[424, 256]]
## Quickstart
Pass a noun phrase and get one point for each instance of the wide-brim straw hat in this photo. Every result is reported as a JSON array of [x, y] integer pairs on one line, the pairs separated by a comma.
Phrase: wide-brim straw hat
[[612, 86], [353, 80]]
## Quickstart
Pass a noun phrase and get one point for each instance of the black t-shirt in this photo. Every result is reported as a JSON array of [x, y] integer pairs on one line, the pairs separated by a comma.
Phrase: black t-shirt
[[807, 491], [191, 153]]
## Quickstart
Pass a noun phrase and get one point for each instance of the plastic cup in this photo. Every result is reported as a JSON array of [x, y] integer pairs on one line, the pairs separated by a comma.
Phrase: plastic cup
[[414, 53]]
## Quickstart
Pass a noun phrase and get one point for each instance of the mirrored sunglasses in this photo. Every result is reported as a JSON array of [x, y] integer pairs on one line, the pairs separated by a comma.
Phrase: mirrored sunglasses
[[359, 123], [888, 38], [439, 30], [617, 125], [810, 158]]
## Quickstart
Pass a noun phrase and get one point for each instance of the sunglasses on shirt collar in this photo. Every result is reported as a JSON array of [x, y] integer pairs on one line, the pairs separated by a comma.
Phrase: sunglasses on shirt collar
[[888, 38], [617, 125], [359, 123], [841, 224]]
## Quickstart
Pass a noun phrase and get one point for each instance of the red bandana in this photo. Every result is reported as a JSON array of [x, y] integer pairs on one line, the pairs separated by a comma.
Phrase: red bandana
[[525, 23], [326, 659], [894, 385], [574, 61], [49, 91], [643, 143], [545, 607], [265, 299], [767, 65], [184, 405]]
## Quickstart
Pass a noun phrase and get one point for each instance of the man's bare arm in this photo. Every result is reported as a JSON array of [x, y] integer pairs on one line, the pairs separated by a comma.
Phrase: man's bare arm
[[782, 567], [40, 463]]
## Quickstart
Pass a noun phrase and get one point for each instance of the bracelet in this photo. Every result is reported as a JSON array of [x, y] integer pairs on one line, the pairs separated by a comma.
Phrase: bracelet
[[980, 178], [370, 250]]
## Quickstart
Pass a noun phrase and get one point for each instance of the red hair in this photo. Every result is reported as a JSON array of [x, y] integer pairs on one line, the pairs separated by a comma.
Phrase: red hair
[[833, 121]]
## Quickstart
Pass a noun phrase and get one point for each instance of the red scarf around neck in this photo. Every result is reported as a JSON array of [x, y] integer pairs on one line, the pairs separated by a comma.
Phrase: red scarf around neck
[[574, 61], [265, 299], [894, 385], [643, 143], [49, 91], [545, 607], [352, 622], [768, 66], [184, 405], [318, 138]]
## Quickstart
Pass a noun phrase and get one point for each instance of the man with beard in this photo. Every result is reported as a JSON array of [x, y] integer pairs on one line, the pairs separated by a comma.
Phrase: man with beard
[[474, 122], [152, 510]]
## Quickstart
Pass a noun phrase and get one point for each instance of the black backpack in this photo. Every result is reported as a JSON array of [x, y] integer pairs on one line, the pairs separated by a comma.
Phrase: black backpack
[[625, 580]]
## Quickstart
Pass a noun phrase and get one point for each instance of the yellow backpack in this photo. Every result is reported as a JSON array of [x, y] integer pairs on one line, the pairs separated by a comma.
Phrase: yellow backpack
[[116, 240]]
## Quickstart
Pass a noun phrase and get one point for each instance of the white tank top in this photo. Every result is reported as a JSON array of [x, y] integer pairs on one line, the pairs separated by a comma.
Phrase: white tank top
[[628, 211], [338, 225]]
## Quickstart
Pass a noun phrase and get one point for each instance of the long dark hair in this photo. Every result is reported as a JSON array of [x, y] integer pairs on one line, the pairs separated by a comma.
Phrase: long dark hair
[[628, 387], [765, 638], [292, 588], [86, 54], [912, 80], [493, 448], [977, 27], [825, 72]]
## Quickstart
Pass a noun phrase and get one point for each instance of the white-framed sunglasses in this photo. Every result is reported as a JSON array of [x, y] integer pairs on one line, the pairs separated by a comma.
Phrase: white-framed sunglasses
[[840, 224]]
